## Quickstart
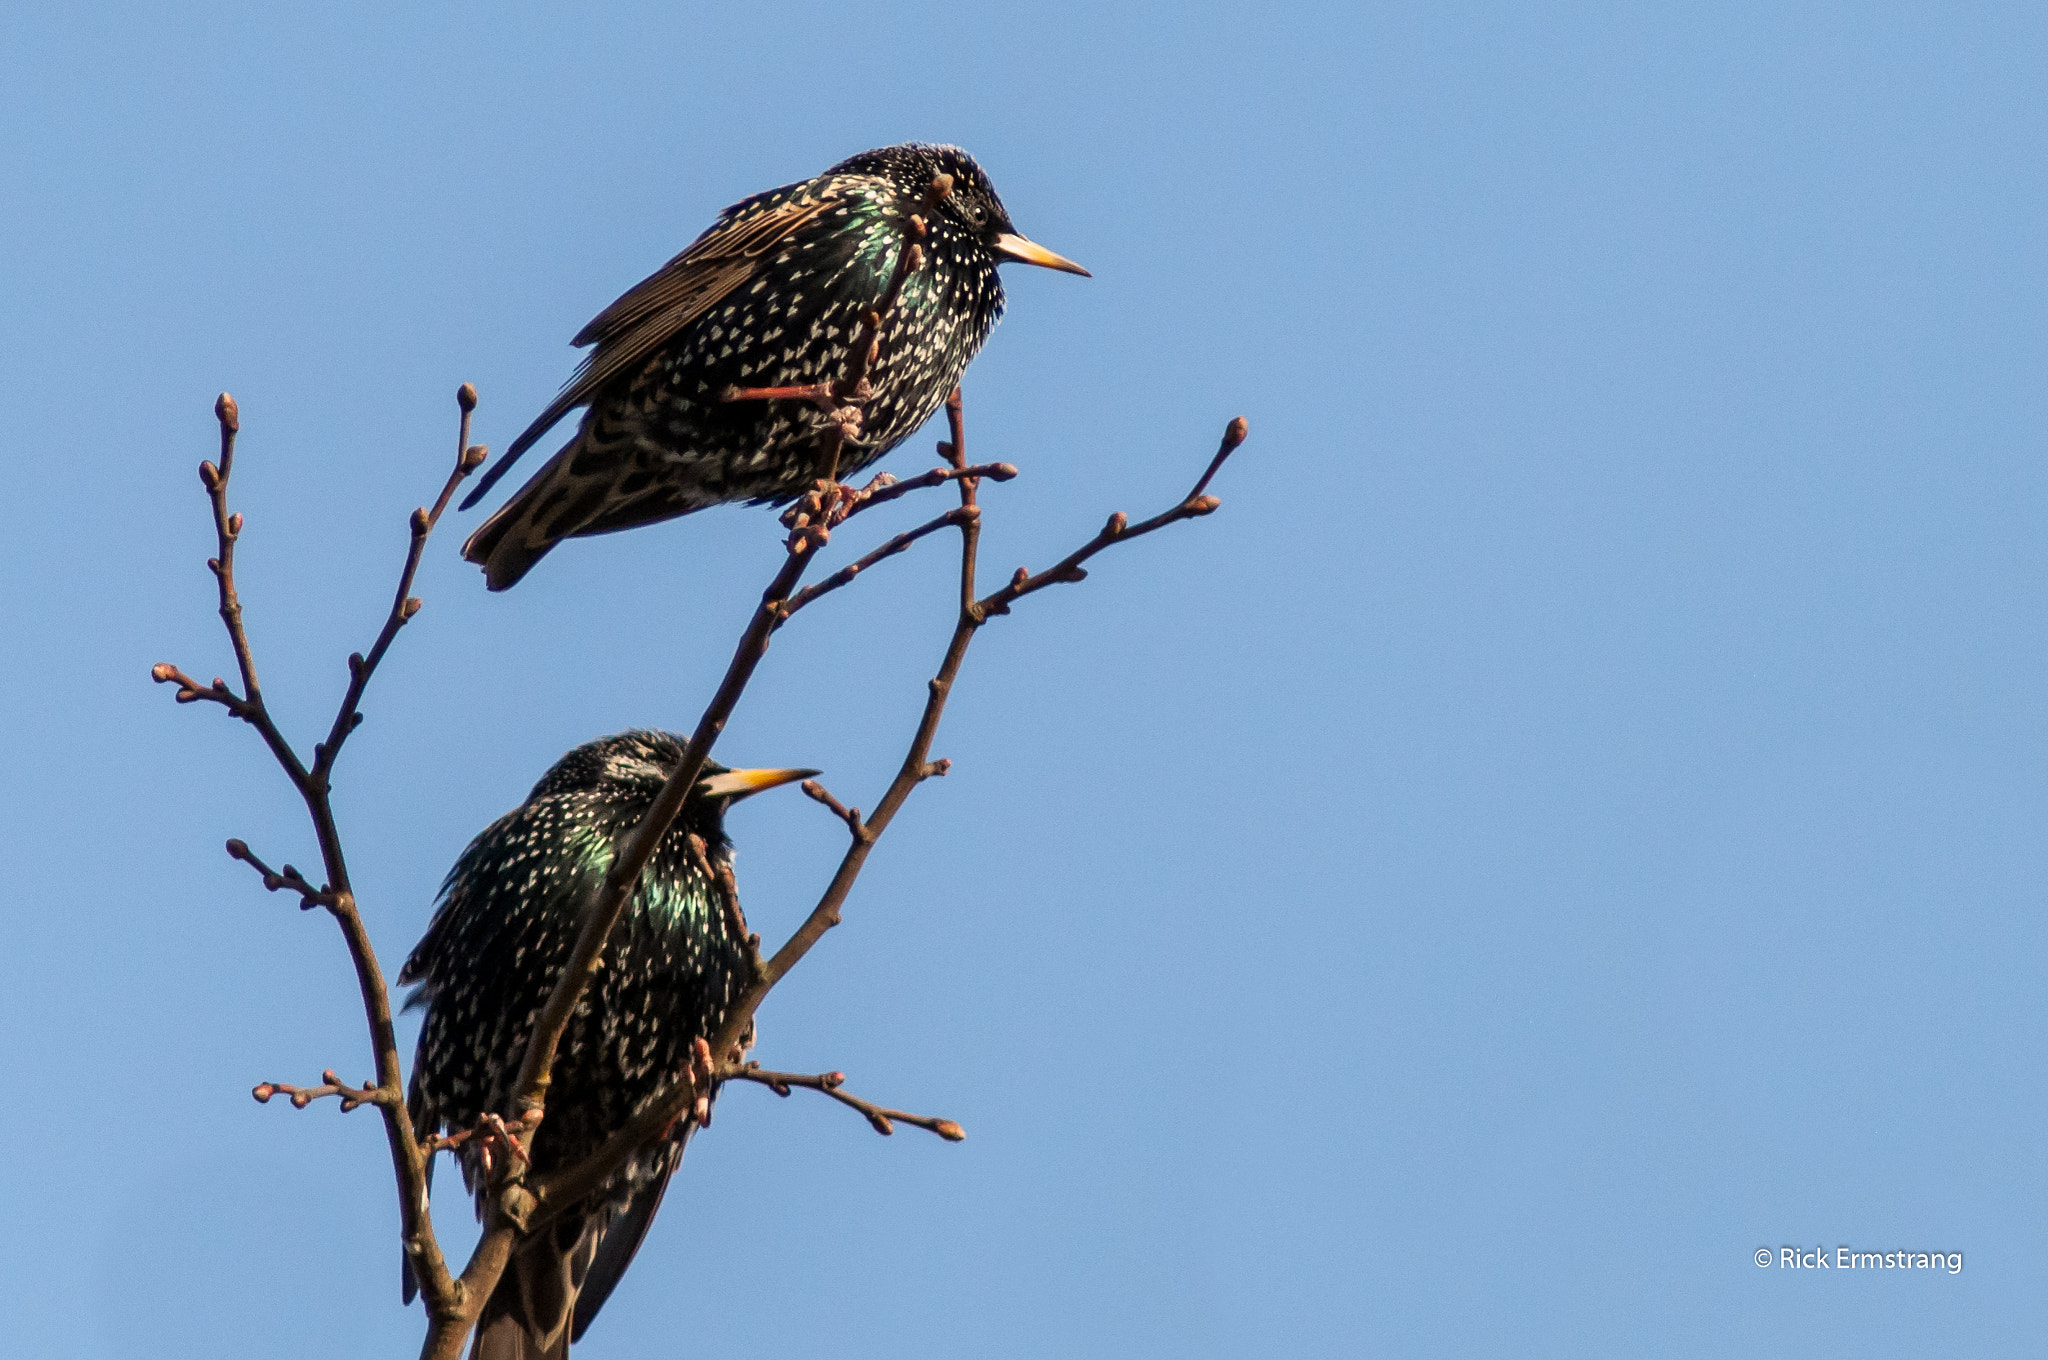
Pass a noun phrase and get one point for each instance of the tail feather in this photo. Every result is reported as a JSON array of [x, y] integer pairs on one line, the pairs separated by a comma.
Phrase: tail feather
[[528, 1314], [621, 1239], [508, 543], [591, 487]]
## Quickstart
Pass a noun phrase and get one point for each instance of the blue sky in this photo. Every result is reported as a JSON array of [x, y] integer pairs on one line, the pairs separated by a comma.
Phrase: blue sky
[[1570, 821]]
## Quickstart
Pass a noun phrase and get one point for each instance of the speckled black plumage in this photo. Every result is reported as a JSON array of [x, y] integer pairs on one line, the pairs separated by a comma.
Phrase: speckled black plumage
[[503, 931], [770, 296]]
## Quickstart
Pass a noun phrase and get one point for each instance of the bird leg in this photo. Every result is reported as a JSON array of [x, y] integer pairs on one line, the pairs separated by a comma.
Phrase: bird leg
[[701, 1073], [842, 401], [490, 1132]]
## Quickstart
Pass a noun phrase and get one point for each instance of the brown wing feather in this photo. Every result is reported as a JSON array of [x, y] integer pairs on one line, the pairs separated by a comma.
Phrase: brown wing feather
[[649, 313]]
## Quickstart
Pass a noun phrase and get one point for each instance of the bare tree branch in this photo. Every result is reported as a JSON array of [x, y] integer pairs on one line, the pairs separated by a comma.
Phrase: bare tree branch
[[502, 1144], [409, 1160], [302, 1096], [278, 879], [845, 575], [882, 1120], [567, 1187], [1118, 530], [851, 816]]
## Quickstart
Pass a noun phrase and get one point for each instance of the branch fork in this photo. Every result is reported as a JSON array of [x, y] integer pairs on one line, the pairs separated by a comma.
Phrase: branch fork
[[503, 1142]]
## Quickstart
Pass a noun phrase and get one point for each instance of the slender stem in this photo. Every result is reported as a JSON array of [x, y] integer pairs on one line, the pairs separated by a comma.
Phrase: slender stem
[[409, 1161], [602, 912], [572, 1184], [844, 576], [880, 1118]]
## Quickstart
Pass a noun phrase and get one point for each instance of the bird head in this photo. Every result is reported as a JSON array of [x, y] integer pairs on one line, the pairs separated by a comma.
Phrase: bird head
[[971, 205], [635, 764]]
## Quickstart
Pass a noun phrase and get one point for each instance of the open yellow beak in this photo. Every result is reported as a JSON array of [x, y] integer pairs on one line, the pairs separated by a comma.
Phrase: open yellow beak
[[741, 783], [1011, 246]]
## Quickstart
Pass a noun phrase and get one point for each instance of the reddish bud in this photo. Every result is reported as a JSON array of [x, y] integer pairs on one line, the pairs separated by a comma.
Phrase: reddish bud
[[420, 522], [227, 413], [235, 525], [949, 1131], [412, 607], [209, 475], [263, 1091], [163, 672], [238, 849], [465, 397], [916, 257], [1235, 432], [1116, 524], [1204, 505], [473, 457]]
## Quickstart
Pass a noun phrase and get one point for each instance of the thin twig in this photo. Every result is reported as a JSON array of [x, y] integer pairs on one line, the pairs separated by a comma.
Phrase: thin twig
[[602, 912], [572, 1184], [409, 1159], [719, 875], [1118, 530], [276, 880], [845, 575], [882, 1120], [851, 816], [404, 604], [302, 1096], [807, 534], [870, 496]]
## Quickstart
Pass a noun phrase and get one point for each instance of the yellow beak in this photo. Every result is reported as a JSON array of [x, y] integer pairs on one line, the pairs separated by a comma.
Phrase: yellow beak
[[741, 783], [1011, 246]]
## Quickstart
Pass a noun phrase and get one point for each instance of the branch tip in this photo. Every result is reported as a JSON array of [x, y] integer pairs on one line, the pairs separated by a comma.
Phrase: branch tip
[[465, 397], [227, 413]]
